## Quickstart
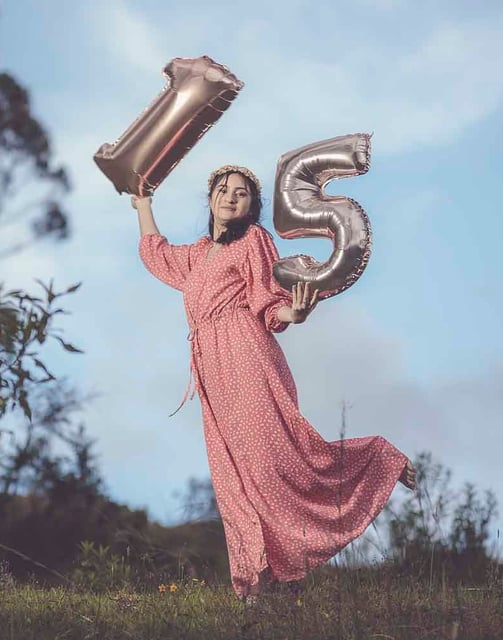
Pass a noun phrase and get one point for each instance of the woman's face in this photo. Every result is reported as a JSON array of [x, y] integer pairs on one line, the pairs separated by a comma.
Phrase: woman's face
[[230, 199]]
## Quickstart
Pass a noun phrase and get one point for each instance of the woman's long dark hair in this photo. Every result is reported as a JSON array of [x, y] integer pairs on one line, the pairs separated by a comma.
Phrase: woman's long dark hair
[[237, 228]]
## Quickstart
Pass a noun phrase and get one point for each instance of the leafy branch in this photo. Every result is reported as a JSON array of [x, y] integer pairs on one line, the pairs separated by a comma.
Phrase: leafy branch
[[25, 324]]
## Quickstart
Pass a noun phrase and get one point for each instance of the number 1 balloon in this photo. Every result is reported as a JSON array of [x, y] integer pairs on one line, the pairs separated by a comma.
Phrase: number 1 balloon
[[302, 209], [199, 91]]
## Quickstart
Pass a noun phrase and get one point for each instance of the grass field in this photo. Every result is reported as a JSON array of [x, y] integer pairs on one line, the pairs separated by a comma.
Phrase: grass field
[[336, 604]]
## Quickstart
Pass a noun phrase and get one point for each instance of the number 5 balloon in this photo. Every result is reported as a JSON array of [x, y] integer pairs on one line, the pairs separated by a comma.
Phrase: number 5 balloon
[[199, 91], [302, 209]]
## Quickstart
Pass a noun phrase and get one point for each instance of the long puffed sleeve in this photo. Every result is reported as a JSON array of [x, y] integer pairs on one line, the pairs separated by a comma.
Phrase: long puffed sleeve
[[263, 293], [167, 262]]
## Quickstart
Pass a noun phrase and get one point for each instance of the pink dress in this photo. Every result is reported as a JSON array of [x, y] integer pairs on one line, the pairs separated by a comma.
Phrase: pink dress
[[289, 500]]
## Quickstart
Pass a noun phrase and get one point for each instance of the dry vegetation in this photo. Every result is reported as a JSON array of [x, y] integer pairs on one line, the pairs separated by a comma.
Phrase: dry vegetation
[[371, 603]]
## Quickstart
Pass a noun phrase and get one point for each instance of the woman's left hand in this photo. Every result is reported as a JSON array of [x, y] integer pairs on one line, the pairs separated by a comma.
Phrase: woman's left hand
[[303, 303]]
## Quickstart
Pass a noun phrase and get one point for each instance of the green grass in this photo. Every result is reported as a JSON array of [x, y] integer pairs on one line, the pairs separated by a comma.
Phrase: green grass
[[358, 604]]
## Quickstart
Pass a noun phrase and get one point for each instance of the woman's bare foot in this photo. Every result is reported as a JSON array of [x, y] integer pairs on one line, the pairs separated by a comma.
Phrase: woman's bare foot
[[252, 598], [408, 477]]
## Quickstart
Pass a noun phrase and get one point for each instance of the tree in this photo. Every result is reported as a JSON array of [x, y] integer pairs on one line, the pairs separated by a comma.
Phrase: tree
[[199, 501], [26, 321], [28, 462], [441, 527], [25, 170], [470, 530]]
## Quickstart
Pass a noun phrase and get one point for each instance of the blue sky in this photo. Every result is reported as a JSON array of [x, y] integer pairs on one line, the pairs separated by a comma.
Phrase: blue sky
[[415, 346]]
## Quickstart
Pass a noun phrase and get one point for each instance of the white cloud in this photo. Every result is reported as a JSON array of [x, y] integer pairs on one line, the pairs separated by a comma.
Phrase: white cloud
[[128, 36], [422, 94], [415, 96], [355, 362]]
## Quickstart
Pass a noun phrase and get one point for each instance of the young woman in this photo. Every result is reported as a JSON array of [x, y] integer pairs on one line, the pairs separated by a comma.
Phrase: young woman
[[289, 500]]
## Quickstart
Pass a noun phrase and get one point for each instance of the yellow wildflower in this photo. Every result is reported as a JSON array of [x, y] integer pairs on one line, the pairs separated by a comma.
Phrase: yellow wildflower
[[162, 588], [173, 587]]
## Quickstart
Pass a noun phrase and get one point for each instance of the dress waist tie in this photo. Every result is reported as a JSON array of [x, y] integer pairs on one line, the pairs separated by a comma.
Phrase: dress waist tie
[[192, 335]]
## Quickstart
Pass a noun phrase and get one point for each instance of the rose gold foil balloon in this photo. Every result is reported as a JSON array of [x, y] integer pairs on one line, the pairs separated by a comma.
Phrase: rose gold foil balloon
[[199, 91], [302, 210]]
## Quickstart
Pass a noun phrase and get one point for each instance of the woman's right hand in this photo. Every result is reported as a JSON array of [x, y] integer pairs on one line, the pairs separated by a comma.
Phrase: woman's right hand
[[140, 203], [145, 214]]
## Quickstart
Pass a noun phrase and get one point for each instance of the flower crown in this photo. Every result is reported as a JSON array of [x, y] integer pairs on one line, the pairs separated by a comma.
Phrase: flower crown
[[233, 168]]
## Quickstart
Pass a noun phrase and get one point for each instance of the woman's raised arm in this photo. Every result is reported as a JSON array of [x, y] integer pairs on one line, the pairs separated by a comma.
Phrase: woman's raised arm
[[145, 215], [169, 263]]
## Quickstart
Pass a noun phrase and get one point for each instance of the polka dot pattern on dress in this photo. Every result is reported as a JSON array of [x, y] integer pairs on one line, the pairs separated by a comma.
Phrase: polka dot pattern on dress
[[289, 500]]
